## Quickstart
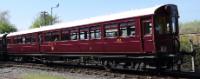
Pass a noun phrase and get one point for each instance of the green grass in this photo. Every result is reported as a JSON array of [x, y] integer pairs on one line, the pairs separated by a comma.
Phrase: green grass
[[41, 76]]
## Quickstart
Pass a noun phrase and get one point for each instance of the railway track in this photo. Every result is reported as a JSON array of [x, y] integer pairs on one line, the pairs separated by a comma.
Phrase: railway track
[[176, 74], [97, 70]]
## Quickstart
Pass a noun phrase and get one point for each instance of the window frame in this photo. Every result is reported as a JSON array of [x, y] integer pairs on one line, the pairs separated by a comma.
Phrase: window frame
[[47, 36], [82, 31], [96, 30], [8, 40], [65, 33], [77, 34], [111, 26], [18, 39], [54, 34], [15, 40], [30, 38], [127, 25], [149, 21]]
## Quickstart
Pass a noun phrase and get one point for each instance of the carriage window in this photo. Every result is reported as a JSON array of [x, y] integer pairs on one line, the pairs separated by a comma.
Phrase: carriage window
[[131, 30], [123, 31], [111, 30], [40, 40], [95, 32], [174, 24], [55, 36], [28, 39], [162, 25], [84, 34], [32, 38], [65, 35], [127, 29], [9, 40], [48, 36], [23, 40], [147, 25], [15, 40], [18, 40], [74, 36]]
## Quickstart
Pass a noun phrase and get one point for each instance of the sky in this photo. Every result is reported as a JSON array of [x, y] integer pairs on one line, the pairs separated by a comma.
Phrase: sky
[[22, 13]]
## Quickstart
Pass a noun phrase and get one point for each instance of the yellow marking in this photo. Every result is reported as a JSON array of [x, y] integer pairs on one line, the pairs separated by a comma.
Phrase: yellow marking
[[119, 40]]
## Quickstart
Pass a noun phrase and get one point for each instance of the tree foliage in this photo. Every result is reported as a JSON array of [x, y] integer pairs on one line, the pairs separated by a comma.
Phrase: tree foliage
[[190, 27], [186, 46], [185, 29], [44, 19], [5, 25]]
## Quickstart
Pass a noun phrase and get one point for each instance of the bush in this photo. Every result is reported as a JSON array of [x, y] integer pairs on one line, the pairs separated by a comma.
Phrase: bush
[[186, 46]]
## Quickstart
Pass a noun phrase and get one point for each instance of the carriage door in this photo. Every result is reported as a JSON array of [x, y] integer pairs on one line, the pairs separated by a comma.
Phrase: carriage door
[[39, 41], [146, 34]]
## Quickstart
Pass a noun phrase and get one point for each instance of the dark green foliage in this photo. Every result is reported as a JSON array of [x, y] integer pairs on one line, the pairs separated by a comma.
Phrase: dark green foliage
[[5, 25], [185, 44], [185, 29], [44, 20]]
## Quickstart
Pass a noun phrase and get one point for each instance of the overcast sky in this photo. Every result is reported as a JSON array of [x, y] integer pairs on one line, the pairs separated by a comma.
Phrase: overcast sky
[[23, 12]]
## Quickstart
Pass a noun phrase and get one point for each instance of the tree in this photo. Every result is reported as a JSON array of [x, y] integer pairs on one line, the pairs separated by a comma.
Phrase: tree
[[190, 27], [185, 28], [44, 19], [5, 25]]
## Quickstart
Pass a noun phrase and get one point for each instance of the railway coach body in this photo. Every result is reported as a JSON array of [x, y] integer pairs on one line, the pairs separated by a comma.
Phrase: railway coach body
[[3, 46], [146, 31]]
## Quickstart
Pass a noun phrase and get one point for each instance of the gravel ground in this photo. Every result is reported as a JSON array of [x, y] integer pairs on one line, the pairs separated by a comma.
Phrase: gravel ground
[[19, 72]]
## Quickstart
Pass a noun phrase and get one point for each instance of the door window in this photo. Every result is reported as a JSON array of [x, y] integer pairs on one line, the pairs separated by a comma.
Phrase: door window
[[174, 24], [147, 25], [40, 38]]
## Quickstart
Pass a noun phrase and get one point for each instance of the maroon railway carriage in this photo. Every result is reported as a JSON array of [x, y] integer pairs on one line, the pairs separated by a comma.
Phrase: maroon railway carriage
[[3, 47], [144, 32]]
